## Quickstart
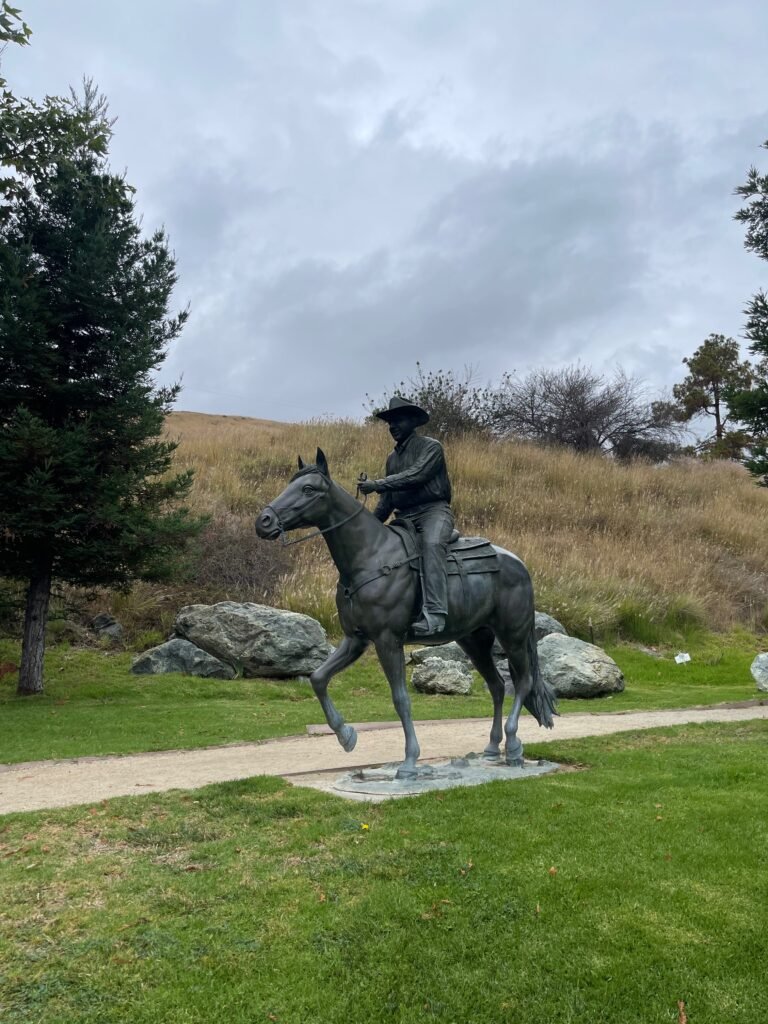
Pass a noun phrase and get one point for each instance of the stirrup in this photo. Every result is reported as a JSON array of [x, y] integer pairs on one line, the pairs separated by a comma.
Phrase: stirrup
[[428, 625]]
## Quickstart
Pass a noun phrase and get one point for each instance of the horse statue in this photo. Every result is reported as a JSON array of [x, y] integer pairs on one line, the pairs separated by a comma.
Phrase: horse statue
[[490, 596]]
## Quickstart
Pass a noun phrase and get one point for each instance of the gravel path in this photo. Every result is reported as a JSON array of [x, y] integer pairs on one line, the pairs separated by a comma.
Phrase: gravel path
[[35, 785]]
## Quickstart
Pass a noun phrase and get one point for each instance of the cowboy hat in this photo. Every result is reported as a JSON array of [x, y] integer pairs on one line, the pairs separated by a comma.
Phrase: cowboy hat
[[398, 406]]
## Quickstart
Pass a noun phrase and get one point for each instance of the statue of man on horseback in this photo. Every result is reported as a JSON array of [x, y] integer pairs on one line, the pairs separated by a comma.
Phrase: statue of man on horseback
[[486, 596], [417, 489]]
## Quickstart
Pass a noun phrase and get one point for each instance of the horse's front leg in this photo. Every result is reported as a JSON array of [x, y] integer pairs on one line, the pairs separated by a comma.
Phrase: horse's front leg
[[348, 651], [390, 652]]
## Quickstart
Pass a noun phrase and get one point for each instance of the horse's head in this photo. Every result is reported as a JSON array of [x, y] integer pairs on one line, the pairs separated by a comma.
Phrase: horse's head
[[304, 502]]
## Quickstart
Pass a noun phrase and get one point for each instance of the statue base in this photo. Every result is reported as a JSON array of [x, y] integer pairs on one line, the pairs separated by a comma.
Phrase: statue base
[[376, 784]]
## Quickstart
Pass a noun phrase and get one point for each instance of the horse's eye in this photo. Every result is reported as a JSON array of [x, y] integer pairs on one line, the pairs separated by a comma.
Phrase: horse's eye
[[308, 489]]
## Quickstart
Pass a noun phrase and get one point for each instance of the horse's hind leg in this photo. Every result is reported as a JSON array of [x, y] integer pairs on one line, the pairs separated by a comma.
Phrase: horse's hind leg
[[349, 650], [520, 671], [479, 648]]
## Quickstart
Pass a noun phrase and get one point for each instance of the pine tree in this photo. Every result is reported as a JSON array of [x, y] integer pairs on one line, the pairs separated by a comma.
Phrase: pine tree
[[87, 497], [33, 135], [751, 405], [714, 371]]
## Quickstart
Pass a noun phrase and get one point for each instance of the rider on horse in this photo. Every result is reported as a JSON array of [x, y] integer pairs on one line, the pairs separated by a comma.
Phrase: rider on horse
[[416, 487]]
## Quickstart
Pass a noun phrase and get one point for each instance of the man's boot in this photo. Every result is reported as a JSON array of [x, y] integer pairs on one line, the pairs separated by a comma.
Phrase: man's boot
[[428, 624]]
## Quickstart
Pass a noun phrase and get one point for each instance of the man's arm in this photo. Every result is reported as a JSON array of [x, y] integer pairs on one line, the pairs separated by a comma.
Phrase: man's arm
[[384, 507], [427, 465]]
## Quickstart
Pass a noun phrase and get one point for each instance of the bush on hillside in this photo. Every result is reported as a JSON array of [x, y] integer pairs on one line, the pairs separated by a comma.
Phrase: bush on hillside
[[232, 564], [457, 405], [226, 563], [573, 407], [578, 408]]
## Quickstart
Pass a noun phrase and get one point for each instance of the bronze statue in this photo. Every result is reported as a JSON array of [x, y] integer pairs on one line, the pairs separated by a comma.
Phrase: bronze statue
[[489, 595], [416, 487]]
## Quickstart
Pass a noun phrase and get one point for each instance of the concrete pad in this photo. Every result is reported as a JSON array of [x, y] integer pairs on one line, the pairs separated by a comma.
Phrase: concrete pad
[[373, 785]]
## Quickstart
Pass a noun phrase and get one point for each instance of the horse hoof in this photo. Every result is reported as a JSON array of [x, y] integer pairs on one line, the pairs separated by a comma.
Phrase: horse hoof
[[514, 753], [515, 762], [492, 754], [406, 771], [347, 737]]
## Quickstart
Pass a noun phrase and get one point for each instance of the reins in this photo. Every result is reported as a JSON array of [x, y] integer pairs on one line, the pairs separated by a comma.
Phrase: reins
[[318, 532]]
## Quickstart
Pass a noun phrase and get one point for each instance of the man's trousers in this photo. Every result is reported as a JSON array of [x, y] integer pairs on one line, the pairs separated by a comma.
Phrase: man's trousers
[[434, 524]]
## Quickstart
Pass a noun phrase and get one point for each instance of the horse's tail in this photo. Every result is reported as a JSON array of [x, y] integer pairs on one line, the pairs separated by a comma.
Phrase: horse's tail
[[541, 701]]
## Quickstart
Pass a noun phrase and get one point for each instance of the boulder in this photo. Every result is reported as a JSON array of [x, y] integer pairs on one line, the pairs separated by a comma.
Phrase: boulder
[[436, 675], [545, 625], [578, 669], [257, 639], [181, 656], [106, 625], [446, 652], [759, 670]]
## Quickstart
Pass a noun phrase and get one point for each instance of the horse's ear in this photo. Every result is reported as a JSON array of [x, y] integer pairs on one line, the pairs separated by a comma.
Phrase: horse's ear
[[322, 463], [301, 463]]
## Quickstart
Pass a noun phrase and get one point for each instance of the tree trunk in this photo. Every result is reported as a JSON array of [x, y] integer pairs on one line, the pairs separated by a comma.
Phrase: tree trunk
[[33, 645], [718, 420]]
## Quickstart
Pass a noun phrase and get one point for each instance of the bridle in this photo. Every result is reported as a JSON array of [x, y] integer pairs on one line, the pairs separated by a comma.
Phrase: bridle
[[310, 536], [348, 591]]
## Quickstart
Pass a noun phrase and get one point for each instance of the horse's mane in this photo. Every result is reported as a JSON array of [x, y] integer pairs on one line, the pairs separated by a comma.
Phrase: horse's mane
[[306, 471]]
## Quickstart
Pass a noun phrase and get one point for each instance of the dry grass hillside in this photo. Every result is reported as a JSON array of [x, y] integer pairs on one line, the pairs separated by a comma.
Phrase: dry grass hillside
[[630, 549]]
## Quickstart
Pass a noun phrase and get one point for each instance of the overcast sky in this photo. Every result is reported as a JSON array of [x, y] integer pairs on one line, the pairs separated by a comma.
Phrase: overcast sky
[[352, 185]]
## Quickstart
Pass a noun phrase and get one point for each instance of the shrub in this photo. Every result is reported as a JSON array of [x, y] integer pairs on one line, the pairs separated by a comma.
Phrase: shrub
[[149, 638], [230, 563], [457, 405]]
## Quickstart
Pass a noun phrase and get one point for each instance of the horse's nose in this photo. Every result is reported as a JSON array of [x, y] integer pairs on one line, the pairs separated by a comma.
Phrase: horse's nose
[[266, 523]]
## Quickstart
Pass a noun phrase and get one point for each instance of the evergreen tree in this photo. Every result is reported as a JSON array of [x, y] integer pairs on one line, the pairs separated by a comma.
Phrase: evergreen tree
[[87, 497], [33, 135], [12, 29], [714, 372], [751, 405]]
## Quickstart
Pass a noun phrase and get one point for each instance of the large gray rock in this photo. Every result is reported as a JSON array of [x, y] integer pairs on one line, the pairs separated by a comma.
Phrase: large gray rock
[[446, 652], [181, 656], [545, 625], [759, 672], [578, 669], [106, 625], [256, 639], [436, 675]]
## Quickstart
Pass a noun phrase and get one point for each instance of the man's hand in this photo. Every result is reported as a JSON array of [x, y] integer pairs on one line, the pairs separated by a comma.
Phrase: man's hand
[[367, 486]]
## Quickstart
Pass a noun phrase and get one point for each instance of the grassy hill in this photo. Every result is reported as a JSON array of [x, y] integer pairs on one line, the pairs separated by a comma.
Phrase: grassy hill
[[639, 551]]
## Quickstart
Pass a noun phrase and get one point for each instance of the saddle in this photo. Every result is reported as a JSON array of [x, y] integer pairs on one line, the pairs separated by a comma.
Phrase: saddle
[[466, 555]]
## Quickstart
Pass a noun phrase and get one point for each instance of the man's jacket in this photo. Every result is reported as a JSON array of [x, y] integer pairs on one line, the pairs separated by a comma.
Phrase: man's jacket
[[416, 475]]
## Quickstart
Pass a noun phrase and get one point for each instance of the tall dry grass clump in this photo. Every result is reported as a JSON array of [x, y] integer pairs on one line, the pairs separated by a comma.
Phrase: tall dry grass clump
[[625, 549]]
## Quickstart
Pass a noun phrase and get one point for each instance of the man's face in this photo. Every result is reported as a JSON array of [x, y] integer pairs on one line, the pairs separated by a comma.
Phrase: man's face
[[402, 427]]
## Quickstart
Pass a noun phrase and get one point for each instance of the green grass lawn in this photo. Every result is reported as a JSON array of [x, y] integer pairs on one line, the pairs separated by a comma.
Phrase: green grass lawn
[[591, 897], [93, 705]]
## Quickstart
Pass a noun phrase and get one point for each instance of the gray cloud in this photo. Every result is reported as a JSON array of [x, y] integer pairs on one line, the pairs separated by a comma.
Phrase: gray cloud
[[546, 260], [351, 187]]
